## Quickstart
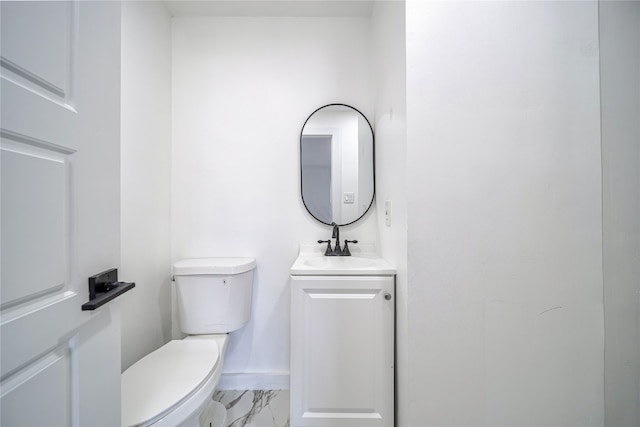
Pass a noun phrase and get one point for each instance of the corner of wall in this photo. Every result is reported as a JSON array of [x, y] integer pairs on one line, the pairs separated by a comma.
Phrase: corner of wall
[[145, 183], [388, 33]]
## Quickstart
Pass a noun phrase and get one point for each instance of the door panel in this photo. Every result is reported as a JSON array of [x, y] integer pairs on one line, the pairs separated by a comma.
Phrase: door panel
[[34, 221], [39, 60], [340, 342], [45, 381]]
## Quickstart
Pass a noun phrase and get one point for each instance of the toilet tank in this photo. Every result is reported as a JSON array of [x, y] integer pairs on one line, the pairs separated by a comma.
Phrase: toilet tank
[[213, 295]]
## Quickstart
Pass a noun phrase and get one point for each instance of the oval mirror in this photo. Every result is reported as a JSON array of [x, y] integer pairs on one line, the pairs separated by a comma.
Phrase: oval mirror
[[337, 164]]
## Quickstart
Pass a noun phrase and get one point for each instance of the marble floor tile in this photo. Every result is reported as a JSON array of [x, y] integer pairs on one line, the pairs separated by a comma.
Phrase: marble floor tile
[[255, 408]]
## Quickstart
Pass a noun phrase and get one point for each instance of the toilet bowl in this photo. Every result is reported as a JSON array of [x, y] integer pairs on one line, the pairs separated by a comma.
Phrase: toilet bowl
[[174, 384]]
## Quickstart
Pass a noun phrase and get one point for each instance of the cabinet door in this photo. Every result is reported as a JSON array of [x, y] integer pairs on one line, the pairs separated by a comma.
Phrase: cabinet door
[[342, 351]]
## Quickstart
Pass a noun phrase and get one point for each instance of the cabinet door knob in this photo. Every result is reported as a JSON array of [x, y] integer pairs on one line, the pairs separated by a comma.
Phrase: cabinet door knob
[[387, 296]]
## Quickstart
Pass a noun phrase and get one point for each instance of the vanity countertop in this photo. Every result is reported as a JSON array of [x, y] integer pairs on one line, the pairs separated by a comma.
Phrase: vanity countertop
[[364, 261]]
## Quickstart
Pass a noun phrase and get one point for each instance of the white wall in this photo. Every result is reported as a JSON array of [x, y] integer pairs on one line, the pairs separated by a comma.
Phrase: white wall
[[145, 174], [504, 214], [620, 88], [242, 89], [389, 59]]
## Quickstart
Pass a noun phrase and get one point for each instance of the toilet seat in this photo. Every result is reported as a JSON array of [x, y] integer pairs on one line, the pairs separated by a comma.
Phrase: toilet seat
[[164, 379]]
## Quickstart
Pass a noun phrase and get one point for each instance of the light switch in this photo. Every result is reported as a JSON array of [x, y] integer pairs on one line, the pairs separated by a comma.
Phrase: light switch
[[348, 198]]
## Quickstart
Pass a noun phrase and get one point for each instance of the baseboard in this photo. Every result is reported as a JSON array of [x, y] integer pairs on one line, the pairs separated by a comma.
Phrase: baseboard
[[254, 381]]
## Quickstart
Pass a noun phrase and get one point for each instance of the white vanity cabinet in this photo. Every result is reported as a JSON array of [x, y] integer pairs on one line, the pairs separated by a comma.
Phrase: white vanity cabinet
[[342, 351]]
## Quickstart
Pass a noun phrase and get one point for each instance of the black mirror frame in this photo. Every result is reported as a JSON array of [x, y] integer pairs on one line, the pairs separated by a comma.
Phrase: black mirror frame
[[373, 152]]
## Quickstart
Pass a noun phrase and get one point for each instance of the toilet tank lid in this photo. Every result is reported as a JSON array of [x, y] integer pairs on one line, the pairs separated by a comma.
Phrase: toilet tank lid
[[193, 266]]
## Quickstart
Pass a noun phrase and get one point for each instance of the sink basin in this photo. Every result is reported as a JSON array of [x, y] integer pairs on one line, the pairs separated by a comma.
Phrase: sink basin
[[340, 262], [363, 262]]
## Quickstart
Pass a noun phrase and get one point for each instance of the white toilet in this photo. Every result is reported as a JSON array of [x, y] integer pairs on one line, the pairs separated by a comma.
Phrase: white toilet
[[172, 385]]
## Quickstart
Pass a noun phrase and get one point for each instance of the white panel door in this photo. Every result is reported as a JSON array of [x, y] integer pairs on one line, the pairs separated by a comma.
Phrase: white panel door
[[59, 207], [342, 351]]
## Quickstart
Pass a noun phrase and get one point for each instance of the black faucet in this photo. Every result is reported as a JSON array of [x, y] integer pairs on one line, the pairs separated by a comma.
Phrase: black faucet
[[337, 251], [336, 235]]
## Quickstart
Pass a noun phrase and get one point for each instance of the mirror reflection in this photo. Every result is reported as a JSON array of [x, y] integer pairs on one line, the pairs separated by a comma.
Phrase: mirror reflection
[[337, 164]]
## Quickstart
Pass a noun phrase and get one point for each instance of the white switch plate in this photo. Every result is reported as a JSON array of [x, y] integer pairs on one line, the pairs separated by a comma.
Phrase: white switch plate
[[348, 198], [387, 213]]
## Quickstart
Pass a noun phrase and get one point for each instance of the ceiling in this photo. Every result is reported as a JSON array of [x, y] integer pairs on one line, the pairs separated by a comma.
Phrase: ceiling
[[272, 8]]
